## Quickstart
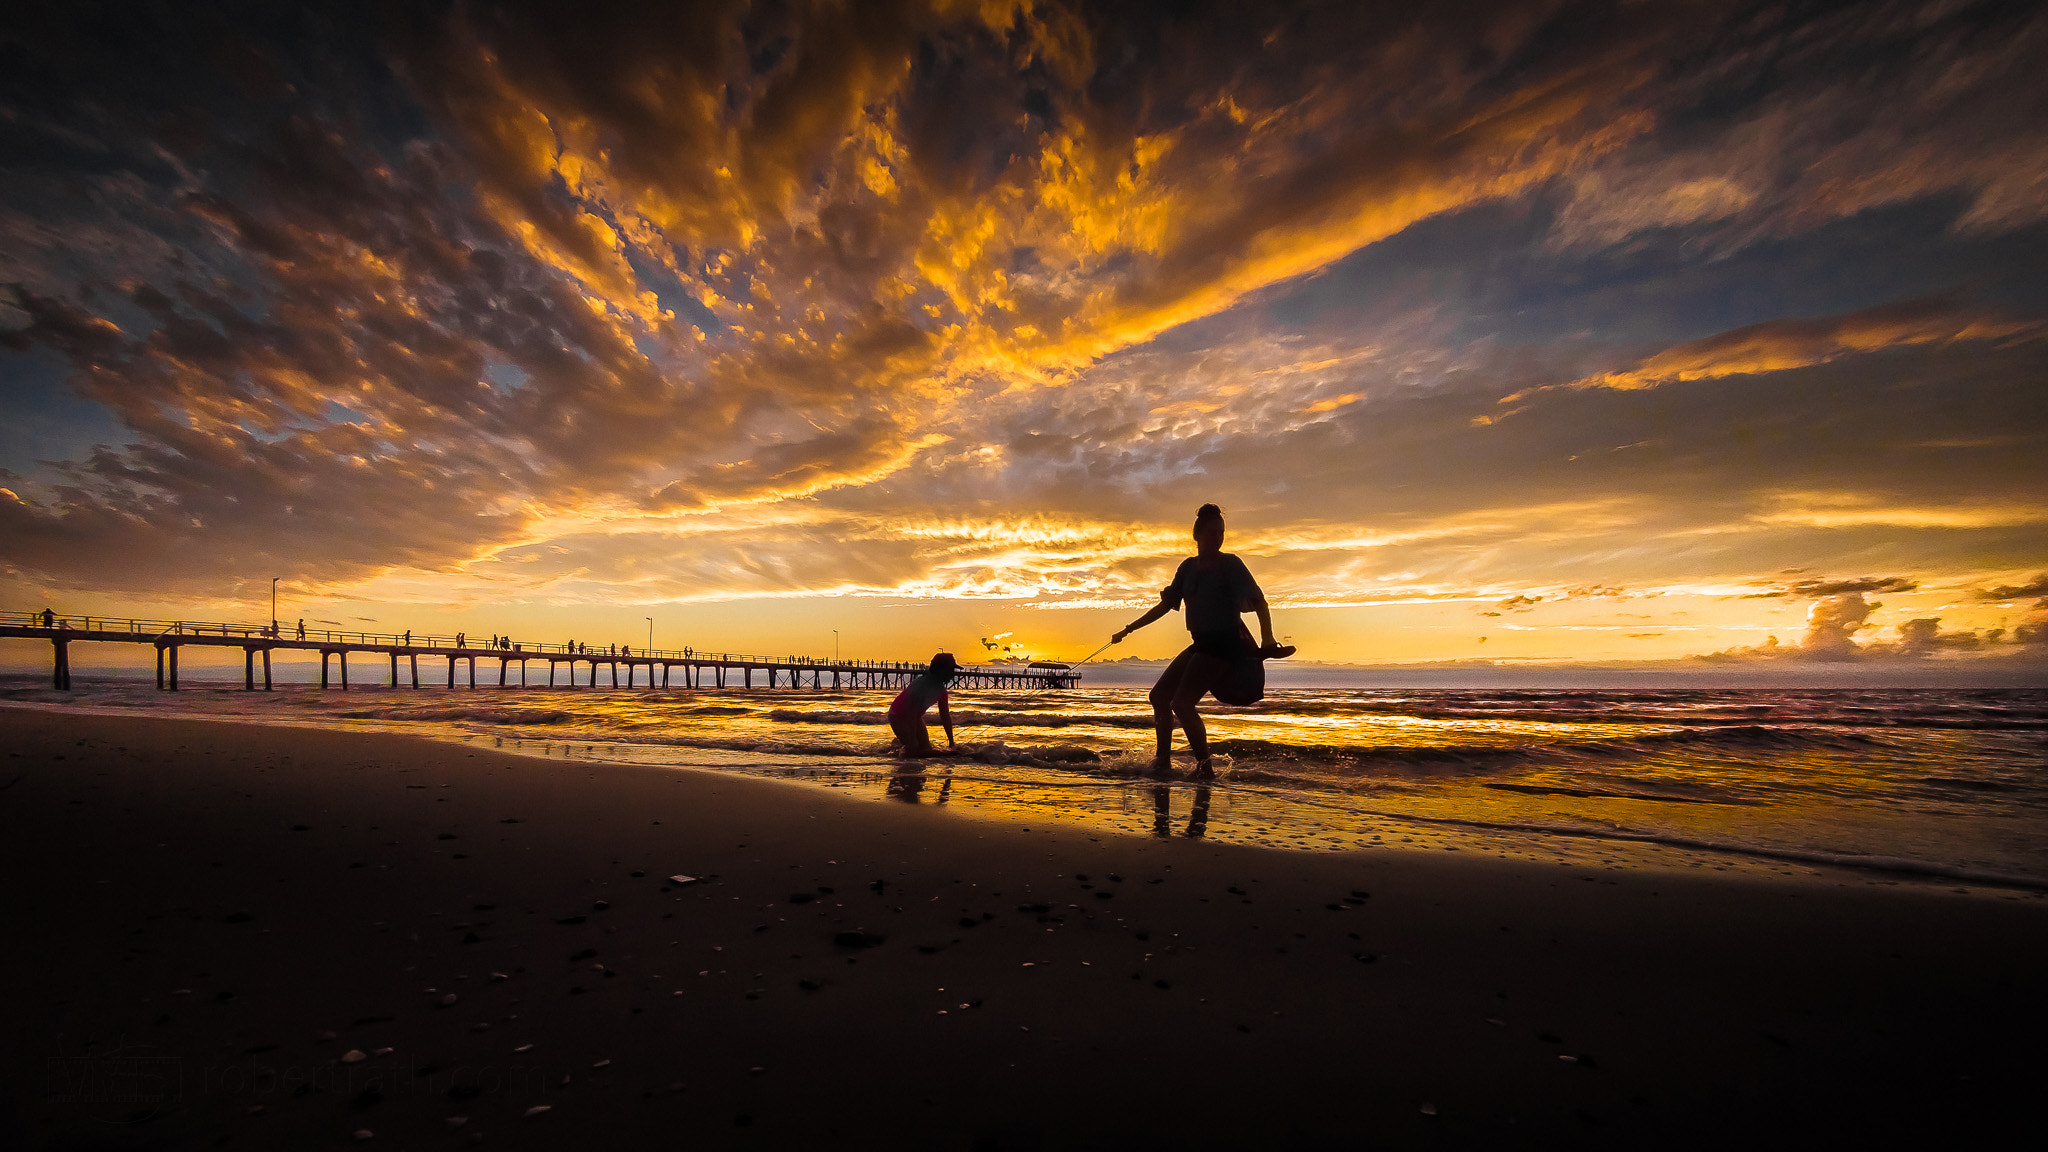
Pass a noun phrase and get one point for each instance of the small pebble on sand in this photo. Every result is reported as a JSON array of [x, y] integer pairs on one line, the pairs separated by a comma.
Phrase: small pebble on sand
[[539, 1110], [353, 1056]]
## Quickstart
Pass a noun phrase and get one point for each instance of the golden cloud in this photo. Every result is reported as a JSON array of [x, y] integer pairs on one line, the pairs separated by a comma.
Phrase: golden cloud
[[1781, 345]]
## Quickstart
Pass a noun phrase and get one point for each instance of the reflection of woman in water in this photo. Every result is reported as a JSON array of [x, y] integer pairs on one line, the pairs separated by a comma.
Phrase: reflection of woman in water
[[1213, 587], [1198, 814], [906, 712]]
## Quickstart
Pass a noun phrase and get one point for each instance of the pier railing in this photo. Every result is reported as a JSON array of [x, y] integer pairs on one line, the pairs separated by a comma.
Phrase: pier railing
[[454, 641]]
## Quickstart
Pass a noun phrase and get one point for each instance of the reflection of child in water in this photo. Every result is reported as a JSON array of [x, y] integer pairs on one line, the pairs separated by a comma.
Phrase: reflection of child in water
[[906, 712]]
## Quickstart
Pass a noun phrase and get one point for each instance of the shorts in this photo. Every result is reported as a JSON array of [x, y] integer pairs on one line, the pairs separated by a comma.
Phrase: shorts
[[1222, 645]]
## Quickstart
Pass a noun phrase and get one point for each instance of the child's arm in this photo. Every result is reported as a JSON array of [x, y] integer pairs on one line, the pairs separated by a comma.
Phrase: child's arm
[[946, 718]]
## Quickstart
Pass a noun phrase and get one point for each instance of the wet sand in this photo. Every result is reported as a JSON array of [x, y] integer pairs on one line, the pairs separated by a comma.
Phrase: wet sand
[[242, 936]]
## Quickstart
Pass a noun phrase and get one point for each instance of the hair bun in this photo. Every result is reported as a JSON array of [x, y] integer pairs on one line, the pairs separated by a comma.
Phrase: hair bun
[[1208, 512]]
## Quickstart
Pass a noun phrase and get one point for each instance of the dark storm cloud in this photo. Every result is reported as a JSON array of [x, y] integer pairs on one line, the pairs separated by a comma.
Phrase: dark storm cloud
[[1794, 116]]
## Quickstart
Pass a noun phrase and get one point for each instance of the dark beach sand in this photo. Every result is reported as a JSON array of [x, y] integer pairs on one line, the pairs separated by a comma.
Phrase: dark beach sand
[[203, 919]]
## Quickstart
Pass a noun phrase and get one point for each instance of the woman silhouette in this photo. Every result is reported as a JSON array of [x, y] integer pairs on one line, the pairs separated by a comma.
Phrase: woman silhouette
[[1214, 587]]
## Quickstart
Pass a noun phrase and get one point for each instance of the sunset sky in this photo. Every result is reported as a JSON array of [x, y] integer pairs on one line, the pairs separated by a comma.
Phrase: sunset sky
[[1512, 332]]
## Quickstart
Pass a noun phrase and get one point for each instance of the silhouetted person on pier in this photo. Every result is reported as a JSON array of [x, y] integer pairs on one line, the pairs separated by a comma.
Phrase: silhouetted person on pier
[[49, 618], [408, 637], [906, 712], [302, 628], [1214, 587]]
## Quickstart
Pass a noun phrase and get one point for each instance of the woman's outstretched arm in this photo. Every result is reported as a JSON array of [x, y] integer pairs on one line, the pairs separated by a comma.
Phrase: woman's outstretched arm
[[1158, 610]]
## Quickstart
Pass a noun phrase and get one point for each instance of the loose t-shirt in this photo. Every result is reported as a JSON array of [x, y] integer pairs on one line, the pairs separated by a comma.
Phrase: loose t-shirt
[[1214, 598]]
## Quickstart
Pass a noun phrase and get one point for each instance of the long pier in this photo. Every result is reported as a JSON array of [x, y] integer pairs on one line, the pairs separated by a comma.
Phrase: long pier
[[693, 668]]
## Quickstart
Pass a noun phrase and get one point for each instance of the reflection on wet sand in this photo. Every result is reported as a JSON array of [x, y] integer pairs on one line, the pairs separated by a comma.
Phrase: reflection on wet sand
[[908, 784], [1162, 819]]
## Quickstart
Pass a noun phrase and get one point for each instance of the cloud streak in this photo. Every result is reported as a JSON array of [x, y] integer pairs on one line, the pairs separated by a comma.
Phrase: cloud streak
[[1782, 345]]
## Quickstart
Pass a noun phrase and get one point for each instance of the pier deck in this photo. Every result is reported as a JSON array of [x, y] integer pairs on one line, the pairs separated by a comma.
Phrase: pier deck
[[692, 668]]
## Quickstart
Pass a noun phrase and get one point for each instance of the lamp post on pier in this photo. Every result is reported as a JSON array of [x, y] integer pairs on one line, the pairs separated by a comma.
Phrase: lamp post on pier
[[835, 645], [273, 604], [650, 632]]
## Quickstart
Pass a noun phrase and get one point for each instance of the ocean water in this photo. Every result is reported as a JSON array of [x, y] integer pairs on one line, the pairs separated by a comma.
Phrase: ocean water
[[1941, 784]]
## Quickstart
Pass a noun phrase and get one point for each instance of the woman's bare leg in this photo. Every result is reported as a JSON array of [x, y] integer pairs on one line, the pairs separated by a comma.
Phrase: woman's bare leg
[[1163, 694], [1195, 680], [1174, 699]]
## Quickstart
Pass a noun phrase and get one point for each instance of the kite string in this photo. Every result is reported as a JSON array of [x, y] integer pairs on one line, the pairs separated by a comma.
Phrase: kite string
[[1091, 656]]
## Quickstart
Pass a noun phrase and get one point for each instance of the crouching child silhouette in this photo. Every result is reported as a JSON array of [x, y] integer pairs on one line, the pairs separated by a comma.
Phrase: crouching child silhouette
[[906, 712]]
